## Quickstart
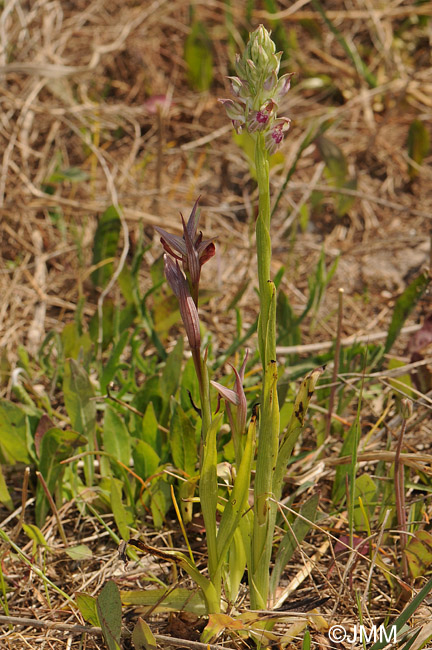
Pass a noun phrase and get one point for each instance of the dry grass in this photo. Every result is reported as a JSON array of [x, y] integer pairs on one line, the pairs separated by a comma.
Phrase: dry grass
[[75, 82]]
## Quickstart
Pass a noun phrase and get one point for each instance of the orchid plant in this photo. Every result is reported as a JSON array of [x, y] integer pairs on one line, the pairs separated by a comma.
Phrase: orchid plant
[[242, 538]]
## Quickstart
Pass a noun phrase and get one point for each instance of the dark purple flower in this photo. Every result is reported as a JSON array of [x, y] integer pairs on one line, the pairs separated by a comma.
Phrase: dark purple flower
[[275, 136], [188, 310], [190, 249]]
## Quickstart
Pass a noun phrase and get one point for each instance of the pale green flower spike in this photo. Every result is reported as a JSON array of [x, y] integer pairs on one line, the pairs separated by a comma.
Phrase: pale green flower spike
[[258, 91]]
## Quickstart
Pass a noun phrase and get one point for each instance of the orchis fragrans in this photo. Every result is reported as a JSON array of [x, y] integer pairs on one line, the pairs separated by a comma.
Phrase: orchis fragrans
[[258, 91]]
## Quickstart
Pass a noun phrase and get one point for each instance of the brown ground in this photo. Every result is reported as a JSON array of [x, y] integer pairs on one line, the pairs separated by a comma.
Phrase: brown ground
[[76, 80]]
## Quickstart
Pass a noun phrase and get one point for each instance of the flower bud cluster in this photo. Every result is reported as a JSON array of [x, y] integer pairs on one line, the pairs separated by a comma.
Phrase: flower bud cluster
[[258, 91]]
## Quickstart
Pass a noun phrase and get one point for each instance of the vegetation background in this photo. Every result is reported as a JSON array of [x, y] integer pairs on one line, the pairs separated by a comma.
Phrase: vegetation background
[[115, 103]]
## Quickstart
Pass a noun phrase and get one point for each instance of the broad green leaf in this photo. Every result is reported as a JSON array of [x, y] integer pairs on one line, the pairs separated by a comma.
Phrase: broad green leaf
[[122, 516], [171, 373], [235, 567], [199, 58], [150, 432], [109, 312], [5, 497], [418, 145], [13, 433], [182, 441], [366, 489], [87, 606], [178, 599], [109, 611], [116, 438], [419, 553], [105, 245], [146, 460], [56, 445], [299, 529], [142, 636], [35, 534], [404, 306], [78, 396], [74, 343], [79, 553]]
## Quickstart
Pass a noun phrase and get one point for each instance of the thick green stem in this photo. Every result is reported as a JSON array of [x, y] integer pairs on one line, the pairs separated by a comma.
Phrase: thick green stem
[[269, 410]]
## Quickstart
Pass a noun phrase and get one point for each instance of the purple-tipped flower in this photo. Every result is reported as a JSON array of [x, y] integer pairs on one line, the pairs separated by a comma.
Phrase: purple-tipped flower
[[275, 136], [190, 249], [258, 91], [237, 398]]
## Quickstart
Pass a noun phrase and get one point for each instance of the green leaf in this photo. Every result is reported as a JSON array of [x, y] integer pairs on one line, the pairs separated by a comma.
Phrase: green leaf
[[366, 489], [116, 436], [78, 396], [79, 552], [142, 636], [87, 606], [71, 174], [74, 343], [5, 497], [419, 553], [56, 445], [404, 306], [171, 374], [108, 605], [198, 57], [347, 449], [182, 441], [35, 534], [418, 145], [122, 516], [112, 365], [105, 245], [13, 433], [146, 460], [150, 432], [165, 600]]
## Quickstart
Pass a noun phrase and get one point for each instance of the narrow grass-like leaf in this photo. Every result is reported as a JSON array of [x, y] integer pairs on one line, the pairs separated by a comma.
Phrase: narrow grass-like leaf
[[105, 245], [404, 306], [111, 366], [405, 615], [166, 600], [350, 49], [109, 611]]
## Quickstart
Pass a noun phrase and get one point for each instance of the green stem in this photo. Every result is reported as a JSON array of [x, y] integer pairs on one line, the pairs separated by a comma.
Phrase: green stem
[[268, 441]]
